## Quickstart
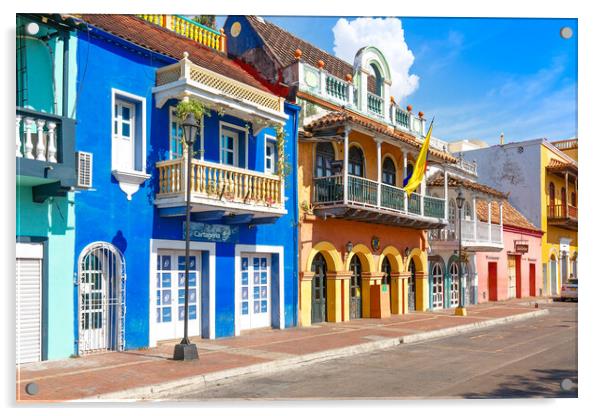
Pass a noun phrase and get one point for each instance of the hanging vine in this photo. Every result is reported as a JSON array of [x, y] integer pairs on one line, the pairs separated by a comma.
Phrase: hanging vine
[[198, 110], [284, 168]]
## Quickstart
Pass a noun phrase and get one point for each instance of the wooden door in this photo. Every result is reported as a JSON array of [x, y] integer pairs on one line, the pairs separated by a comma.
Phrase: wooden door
[[532, 288], [511, 277], [318, 290], [355, 289], [412, 287], [492, 280], [519, 277]]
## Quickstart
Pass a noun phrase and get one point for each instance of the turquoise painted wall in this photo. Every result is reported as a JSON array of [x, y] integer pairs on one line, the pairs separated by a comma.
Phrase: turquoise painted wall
[[55, 220]]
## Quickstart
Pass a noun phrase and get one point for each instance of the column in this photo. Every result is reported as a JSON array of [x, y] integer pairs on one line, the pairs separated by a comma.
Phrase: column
[[379, 170], [445, 195], [305, 298], [18, 136], [475, 281], [399, 290], [41, 144], [345, 165], [566, 194], [474, 218], [368, 280], [335, 295], [405, 170], [489, 217], [422, 291], [28, 141]]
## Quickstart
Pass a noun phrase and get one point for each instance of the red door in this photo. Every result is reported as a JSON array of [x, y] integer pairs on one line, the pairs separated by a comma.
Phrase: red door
[[519, 285], [492, 280], [532, 289]]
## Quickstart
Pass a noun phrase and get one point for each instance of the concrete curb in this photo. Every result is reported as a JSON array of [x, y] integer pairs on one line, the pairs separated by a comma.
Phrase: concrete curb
[[195, 383]]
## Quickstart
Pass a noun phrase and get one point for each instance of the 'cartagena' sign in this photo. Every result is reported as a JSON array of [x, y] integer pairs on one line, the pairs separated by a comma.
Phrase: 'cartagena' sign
[[217, 233]]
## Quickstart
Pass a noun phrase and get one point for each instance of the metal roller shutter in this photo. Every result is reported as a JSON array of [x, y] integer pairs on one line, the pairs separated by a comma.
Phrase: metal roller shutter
[[29, 292]]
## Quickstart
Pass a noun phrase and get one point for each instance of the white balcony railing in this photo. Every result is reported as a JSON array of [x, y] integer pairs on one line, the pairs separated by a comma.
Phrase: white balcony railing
[[471, 235], [220, 182], [36, 136]]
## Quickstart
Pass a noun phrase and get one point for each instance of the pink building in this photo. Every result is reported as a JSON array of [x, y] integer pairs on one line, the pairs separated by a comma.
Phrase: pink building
[[514, 272]]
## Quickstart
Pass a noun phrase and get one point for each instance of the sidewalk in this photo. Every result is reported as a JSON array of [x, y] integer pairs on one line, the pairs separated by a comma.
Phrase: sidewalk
[[141, 374]]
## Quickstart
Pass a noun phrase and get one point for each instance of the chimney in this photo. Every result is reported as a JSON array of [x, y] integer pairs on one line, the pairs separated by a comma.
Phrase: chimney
[[502, 138]]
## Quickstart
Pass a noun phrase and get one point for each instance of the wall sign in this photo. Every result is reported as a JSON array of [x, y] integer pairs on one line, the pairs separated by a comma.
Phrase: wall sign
[[217, 233], [521, 246]]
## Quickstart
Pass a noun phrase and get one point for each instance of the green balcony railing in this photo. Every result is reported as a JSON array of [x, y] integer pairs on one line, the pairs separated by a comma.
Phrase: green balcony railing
[[402, 117], [414, 204], [328, 189], [362, 190], [392, 197], [337, 88], [434, 207], [375, 104]]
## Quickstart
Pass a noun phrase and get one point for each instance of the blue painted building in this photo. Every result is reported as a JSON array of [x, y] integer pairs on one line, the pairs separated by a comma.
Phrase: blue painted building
[[129, 246]]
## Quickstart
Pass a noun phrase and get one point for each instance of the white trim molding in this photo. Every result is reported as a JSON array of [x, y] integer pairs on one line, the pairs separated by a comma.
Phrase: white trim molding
[[257, 249], [159, 244]]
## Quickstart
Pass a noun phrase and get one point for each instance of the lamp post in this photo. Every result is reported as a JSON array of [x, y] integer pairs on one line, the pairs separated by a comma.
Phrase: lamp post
[[460, 310], [185, 351]]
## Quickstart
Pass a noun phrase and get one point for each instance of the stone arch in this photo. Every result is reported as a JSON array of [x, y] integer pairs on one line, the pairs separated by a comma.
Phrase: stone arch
[[370, 55], [394, 258], [330, 253], [365, 256]]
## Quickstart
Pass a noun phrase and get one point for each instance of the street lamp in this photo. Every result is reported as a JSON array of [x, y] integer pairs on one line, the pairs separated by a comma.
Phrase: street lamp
[[185, 350], [460, 310]]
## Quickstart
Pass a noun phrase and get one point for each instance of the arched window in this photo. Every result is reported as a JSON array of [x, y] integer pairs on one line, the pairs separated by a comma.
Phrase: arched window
[[467, 210], [378, 80], [388, 174], [318, 288], [552, 193], [324, 158], [356, 161]]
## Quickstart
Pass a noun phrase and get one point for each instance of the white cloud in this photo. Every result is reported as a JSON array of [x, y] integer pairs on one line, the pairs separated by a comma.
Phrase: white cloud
[[388, 36]]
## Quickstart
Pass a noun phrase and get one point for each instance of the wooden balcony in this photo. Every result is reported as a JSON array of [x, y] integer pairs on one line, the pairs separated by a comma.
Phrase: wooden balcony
[[476, 236], [563, 216], [370, 201], [217, 187]]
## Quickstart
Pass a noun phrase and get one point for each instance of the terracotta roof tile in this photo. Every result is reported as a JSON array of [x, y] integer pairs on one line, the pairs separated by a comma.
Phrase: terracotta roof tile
[[337, 118], [438, 179], [283, 44], [511, 215], [557, 165], [167, 42]]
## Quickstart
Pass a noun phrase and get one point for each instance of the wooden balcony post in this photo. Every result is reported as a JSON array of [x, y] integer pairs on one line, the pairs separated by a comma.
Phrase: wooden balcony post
[[379, 170], [345, 165], [474, 214], [566, 194], [489, 217]]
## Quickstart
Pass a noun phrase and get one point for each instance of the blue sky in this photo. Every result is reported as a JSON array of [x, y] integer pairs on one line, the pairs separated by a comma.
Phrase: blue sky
[[481, 77]]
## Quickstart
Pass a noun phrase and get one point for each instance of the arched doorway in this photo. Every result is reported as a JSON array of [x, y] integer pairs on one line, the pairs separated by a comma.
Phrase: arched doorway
[[101, 299], [470, 291], [412, 286], [355, 288], [454, 286], [386, 280], [437, 284], [318, 289]]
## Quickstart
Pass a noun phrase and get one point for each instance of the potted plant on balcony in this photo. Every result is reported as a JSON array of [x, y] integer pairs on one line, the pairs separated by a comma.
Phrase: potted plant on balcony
[[192, 106]]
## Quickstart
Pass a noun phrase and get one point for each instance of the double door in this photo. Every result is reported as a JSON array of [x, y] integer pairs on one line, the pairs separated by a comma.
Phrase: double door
[[255, 291], [318, 290], [511, 277], [355, 289], [171, 294], [437, 286]]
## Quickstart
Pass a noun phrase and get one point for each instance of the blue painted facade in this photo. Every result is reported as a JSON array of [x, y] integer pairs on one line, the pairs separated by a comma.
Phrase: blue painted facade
[[105, 214]]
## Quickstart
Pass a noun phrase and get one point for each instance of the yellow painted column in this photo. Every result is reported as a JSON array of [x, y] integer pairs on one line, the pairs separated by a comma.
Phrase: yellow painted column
[[422, 291], [368, 279], [305, 279], [335, 295], [396, 294], [345, 281]]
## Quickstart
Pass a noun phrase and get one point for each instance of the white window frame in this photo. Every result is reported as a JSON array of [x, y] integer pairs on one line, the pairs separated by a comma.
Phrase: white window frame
[[270, 141], [172, 119], [129, 178], [231, 126]]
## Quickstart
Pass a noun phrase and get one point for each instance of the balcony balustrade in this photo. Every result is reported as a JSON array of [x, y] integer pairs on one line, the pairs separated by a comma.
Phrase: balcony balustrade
[[37, 135], [219, 185], [190, 29], [375, 104], [559, 211], [472, 236], [362, 192]]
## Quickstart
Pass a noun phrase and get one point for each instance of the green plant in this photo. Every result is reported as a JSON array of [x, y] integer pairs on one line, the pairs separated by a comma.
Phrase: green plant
[[194, 107], [284, 168]]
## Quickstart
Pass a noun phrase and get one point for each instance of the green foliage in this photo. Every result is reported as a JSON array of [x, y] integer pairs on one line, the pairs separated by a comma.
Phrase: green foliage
[[192, 106], [284, 168], [206, 20]]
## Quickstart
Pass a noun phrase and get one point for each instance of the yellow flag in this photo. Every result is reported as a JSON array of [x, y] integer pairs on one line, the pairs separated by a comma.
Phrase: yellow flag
[[420, 166]]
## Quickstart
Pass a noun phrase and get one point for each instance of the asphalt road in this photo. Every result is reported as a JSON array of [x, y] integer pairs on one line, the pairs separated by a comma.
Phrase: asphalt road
[[525, 359]]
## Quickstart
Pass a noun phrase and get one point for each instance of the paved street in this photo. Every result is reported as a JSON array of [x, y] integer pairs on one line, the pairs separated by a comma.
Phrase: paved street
[[522, 359]]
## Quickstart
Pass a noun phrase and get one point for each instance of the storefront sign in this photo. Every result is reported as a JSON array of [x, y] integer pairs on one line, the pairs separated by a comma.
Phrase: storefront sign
[[217, 233], [521, 246]]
